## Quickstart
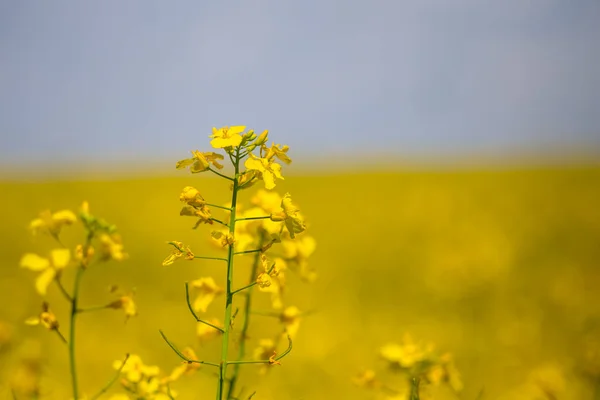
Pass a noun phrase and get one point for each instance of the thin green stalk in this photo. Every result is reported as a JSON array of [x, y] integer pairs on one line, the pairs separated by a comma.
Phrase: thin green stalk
[[112, 380], [187, 299], [182, 356], [246, 323], [210, 258], [251, 218], [223, 176], [217, 206], [94, 308], [229, 295], [74, 309], [248, 251]]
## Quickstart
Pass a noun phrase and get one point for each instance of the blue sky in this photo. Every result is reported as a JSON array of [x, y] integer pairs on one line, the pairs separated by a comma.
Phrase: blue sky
[[111, 80]]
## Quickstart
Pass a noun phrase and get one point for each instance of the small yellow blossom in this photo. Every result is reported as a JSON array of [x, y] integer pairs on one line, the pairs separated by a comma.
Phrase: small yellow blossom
[[262, 138], [49, 267], [200, 161], [247, 179], [266, 348], [179, 251], [207, 291], [202, 213], [84, 259], [135, 370], [268, 168], [367, 379], [126, 304], [226, 136], [192, 197], [407, 354], [46, 318], [268, 201], [290, 215], [207, 332], [276, 282], [276, 150], [185, 368], [52, 223], [111, 247], [224, 239], [290, 317], [297, 252]]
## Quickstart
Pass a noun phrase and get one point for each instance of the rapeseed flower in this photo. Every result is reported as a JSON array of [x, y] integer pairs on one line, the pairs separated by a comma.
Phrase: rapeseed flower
[[407, 354], [52, 223], [192, 197], [202, 213], [207, 332], [226, 137], [290, 215], [201, 161], [207, 291], [111, 247], [290, 317], [223, 239], [49, 267], [185, 368], [267, 167], [279, 151], [179, 251], [126, 304], [46, 318]]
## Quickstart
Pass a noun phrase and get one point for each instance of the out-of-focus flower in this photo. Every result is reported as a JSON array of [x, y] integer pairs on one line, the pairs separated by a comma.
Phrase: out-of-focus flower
[[6, 335], [135, 370], [273, 282], [269, 202], [185, 368], [296, 253], [84, 259], [290, 215], [207, 291], [49, 267], [200, 161], [368, 379], [227, 136], [192, 197], [406, 354], [206, 332], [179, 251], [111, 247], [52, 223], [126, 304], [25, 380], [266, 348], [46, 318], [290, 317]]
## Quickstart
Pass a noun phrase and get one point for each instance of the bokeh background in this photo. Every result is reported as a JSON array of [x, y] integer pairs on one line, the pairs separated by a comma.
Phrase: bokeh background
[[446, 155]]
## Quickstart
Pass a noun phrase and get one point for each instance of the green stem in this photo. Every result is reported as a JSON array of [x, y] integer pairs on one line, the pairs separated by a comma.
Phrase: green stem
[[216, 206], [246, 323], [210, 258], [219, 222], [187, 299], [247, 252], [182, 356], [229, 295], [244, 288], [112, 380], [90, 309], [221, 175], [74, 309], [251, 218]]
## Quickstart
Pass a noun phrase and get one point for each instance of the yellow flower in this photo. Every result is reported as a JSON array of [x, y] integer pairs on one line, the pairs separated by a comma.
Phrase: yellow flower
[[268, 168], [49, 267], [247, 179], [84, 259], [367, 379], [406, 354], [111, 247], [290, 215], [266, 348], [200, 161], [296, 252], [268, 201], [52, 223], [126, 304], [226, 136], [277, 151], [207, 291], [191, 196], [262, 138], [202, 213], [273, 283], [206, 332], [290, 317], [46, 318], [224, 239], [179, 251], [185, 368], [135, 370]]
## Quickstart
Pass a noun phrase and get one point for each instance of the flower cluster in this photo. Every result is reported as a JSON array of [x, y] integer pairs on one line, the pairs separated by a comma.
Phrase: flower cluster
[[270, 231], [419, 366]]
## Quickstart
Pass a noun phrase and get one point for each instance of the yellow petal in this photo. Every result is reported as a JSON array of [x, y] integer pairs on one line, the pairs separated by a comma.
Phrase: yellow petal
[[34, 262], [44, 280], [254, 164], [219, 143], [64, 217], [269, 179], [236, 130], [184, 163], [60, 257], [32, 321]]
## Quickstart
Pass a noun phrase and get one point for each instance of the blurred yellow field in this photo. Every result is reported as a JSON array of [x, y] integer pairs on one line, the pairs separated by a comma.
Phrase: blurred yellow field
[[499, 268]]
